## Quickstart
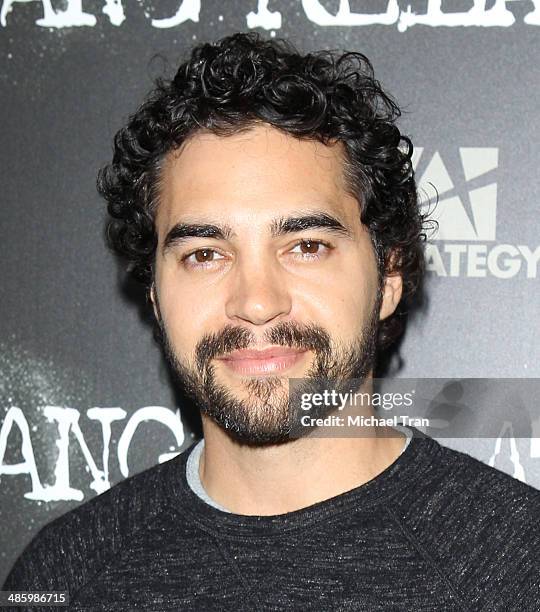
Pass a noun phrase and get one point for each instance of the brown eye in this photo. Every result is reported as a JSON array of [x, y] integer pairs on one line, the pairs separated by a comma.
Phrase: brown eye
[[310, 246], [203, 255], [202, 258], [310, 249]]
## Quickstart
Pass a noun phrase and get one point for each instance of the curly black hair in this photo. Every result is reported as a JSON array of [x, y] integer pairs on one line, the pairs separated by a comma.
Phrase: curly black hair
[[228, 86]]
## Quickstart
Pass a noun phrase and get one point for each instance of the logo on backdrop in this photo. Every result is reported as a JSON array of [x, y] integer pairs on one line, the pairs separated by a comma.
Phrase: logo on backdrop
[[465, 243], [316, 11]]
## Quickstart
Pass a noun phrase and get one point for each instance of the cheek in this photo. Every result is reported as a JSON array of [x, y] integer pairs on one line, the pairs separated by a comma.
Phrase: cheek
[[187, 311], [342, 301]]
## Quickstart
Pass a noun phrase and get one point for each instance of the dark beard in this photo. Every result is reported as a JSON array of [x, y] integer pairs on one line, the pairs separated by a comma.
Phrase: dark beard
[[257, 420]]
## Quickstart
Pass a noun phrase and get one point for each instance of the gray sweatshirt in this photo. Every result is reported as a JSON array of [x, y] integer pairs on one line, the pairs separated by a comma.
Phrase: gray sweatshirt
[[437, 530]]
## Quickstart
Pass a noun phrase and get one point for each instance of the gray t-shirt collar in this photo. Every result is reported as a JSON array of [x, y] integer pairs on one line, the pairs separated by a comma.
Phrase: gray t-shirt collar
[[194, 479]]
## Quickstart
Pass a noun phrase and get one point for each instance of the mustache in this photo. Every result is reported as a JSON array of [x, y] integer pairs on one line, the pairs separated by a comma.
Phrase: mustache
[[288, 333]]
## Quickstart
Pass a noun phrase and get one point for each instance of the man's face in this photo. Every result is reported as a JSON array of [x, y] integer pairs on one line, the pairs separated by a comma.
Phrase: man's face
[[263, 272]]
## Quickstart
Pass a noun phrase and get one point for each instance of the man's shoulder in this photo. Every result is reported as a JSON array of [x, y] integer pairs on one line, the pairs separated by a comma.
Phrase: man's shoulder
[[69, 548], [129, 501], [458, 480], [479, 526], [482, 482]]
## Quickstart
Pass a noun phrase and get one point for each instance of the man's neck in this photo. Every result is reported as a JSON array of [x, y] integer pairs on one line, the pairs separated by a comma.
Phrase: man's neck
[[286, 477]]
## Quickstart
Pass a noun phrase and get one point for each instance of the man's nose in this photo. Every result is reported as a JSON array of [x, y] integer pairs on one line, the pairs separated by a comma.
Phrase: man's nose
[[258, 293]]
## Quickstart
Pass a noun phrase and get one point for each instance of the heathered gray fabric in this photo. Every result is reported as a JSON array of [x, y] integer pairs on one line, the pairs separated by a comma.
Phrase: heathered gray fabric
[[194, 479], [436, 530]]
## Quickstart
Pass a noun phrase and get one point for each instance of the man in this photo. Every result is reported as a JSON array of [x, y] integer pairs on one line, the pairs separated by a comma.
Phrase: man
[[267, 201]]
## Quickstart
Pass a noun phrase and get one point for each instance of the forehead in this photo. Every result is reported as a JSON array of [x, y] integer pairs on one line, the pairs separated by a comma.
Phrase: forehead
[[254, 174]]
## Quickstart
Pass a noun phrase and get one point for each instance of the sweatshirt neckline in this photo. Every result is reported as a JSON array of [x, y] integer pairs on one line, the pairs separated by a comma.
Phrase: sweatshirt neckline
[[398, 476]]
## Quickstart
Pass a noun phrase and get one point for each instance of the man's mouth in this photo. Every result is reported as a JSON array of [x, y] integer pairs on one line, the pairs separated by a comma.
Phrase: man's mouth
[[271, 360]]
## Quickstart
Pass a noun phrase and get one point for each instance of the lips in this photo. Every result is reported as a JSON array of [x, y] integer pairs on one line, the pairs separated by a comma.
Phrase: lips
[[259, 362]]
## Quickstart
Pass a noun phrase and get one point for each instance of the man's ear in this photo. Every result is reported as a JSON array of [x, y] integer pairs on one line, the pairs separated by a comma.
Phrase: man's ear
[[392, 290], [153, 299]]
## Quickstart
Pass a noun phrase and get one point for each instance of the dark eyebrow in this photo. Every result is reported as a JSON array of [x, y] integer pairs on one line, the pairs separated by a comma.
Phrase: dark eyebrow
[[288, 225], [183, 231], [285, 225]]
